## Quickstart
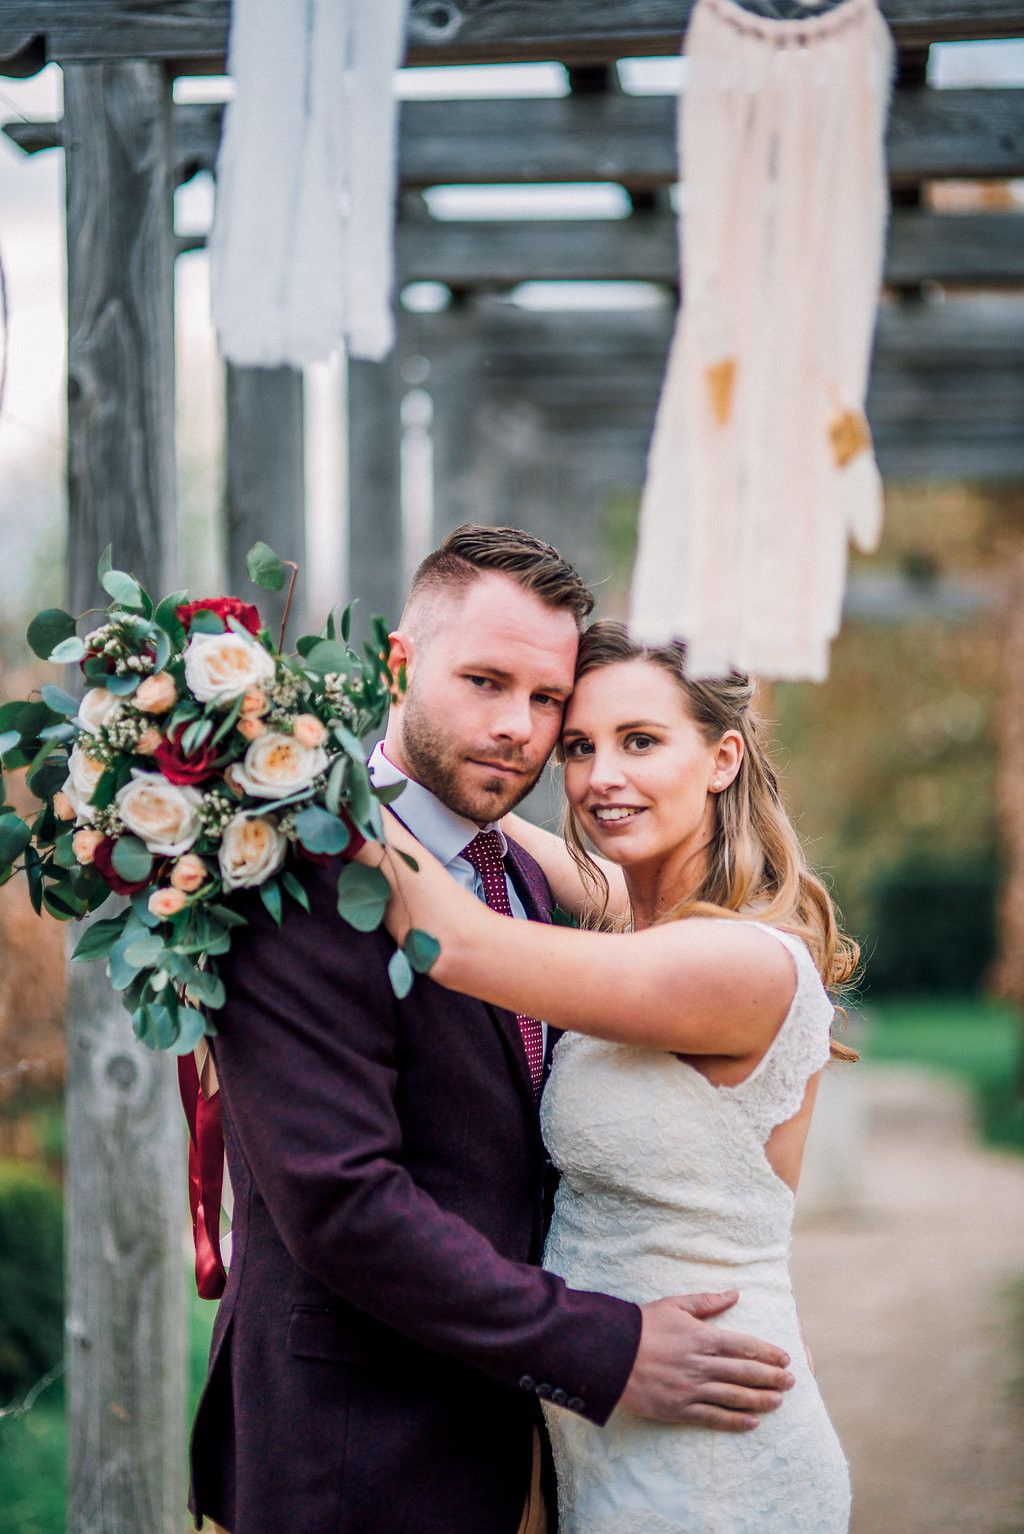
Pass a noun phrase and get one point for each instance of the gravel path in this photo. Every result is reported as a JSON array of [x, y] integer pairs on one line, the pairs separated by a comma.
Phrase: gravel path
[[905, 1302]]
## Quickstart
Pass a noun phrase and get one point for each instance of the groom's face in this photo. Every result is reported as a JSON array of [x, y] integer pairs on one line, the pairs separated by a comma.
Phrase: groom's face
[[489, 668]]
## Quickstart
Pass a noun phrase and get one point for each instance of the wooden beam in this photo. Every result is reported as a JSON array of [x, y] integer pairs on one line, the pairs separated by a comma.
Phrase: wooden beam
[[125, 1145], [923, 247], [193, 33], [628, 139]]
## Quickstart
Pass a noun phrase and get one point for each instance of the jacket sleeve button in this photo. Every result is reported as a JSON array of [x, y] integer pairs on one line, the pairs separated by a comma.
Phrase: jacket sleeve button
[[543, 1390], [527, 1382], [560, 1397], [575, 1403]]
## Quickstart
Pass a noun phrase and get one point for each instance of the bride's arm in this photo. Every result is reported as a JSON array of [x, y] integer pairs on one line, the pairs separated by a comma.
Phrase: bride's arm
[[563, 876], [695, 987]]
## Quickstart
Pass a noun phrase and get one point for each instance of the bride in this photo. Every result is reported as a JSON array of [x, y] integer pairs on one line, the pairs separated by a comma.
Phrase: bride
[[681, 1093]]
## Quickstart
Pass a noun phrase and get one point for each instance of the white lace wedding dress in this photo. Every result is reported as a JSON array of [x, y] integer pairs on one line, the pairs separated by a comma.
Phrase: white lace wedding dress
[[666, 1190]]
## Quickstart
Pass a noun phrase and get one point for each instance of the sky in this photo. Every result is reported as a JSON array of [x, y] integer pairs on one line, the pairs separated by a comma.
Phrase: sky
[[32, 252]]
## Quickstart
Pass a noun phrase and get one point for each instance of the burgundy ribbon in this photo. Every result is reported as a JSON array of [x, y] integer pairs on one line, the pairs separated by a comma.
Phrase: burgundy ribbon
[[205, 1177]]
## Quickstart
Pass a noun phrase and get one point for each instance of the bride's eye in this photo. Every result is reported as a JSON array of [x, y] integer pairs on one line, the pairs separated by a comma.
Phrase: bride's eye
[[576, 748], [641, 742]]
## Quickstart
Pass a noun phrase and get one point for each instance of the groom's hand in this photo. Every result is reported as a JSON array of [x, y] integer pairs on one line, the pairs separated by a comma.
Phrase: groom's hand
[[687, 1371]]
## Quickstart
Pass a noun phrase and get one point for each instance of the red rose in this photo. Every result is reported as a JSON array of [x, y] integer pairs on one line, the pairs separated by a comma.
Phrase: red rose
[[179, 768], [222, 608], [102, 861]]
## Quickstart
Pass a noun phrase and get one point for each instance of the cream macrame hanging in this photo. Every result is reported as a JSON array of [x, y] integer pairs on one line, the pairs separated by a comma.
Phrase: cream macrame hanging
[[761, 464], [303, 235]]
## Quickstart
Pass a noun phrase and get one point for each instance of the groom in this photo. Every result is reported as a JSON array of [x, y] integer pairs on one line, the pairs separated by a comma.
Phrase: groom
[[387, 1333]]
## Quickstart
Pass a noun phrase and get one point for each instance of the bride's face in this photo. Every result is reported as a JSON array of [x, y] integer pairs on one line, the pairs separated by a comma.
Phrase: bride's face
[[638, 772]]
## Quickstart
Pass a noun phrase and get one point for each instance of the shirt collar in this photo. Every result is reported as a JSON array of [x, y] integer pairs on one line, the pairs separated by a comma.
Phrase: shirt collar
[[441, 830]]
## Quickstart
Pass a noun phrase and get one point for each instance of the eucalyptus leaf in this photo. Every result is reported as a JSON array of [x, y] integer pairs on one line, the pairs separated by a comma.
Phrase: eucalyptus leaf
[[359, 792], [67, 652], [64, 853], [205, 622], [64, 904], [270, 894], [15, 836], [122, 686], [163, 644], [208, 988], [400, 974], [191, 1028], [168, 619], [49, 629], [307, 643], [106, 563], [46, 780], [295, 888], [132, 859], [363, 894], [346, 622], [146, 951], [141, 911], [264, 568], [319, 831], [327, 655], [8, 740], [60, 701], [229, 917], [335, 782], [122, 587], [389, 792], [420, 949]]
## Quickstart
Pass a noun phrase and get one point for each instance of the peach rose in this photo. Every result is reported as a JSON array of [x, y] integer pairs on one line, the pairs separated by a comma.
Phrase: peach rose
[[251, 849], [232, 775], [149, 744], [97, 708], [156, 694], [165, 903], [62, 806], [84, 844], [163, 815], [84, 773], [308, 730], [276, 766], [250, 728], [189, 873], [222, 667], [255, 704]]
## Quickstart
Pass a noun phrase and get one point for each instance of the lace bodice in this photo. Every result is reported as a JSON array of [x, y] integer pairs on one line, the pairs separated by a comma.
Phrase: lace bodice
[[666, 1189]]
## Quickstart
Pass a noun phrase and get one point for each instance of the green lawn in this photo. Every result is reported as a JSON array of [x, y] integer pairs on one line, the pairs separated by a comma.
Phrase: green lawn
[[973, 1038]]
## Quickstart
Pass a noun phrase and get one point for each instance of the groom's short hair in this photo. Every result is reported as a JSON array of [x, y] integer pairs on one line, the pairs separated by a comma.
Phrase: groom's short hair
[[471, 551]]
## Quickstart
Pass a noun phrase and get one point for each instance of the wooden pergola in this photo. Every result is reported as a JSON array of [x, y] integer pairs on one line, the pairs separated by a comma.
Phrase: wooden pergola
[[534, 415]]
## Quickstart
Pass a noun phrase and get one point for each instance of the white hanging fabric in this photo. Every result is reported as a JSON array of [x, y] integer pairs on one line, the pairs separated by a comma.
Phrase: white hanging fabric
[[301, 251], [761, 465]]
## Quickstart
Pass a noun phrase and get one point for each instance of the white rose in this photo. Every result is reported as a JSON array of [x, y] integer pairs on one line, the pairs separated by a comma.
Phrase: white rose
[[252, 848], [276, 766], [97, 708], [221, 667], [84, 772], [161, 814]]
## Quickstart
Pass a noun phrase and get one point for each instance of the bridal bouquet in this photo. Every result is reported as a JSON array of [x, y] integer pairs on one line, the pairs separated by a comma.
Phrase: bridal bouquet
[[201, 760]]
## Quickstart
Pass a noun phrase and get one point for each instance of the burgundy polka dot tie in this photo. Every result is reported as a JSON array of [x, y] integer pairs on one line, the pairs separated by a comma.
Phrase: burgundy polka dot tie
[[484, 852]]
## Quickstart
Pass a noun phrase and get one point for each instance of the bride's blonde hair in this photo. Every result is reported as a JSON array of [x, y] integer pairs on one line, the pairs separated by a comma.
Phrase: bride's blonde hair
[[755, 864]]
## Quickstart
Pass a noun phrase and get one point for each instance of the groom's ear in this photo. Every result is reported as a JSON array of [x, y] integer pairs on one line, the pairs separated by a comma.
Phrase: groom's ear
[[400, 658]]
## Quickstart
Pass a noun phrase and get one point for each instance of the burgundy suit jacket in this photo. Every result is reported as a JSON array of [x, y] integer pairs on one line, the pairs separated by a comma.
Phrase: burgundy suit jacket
[[386, 1329]]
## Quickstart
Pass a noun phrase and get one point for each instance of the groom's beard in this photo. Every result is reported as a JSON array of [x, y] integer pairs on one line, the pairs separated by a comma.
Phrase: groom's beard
[[440, 765]]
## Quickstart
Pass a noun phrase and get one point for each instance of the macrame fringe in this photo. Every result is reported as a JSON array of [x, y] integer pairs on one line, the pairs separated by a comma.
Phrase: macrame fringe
[[302, 244], [761, 466]]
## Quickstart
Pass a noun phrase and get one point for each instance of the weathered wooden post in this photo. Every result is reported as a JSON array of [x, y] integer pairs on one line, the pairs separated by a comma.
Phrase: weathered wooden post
[[125, 1142], [265, 480], [375, 490]]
